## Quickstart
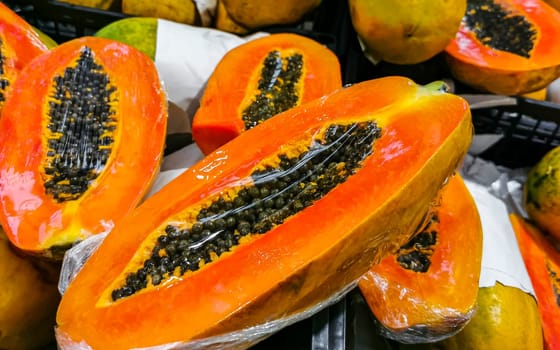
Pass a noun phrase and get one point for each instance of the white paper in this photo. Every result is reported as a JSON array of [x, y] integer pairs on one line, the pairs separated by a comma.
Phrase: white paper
[[183, 158], [187, 55], [501, 259], [482, 142]]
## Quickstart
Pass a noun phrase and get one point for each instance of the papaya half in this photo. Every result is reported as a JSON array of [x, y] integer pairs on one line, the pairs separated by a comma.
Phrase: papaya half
[[280, 218], [81, 139], [541, 193], [427, 290], [543, 265], [19, 44], [506, 46], [554, 3], [272, 74]]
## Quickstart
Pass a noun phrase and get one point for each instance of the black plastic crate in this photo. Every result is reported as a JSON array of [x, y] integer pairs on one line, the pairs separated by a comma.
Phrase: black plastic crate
[[530, 128], [62, 21]]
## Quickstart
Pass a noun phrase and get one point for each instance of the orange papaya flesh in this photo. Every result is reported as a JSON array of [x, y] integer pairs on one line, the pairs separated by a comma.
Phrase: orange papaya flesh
[[81, 140], [427, 290], [506, 46], [543, 265], [19, 43], [348, 209], [260, 79]]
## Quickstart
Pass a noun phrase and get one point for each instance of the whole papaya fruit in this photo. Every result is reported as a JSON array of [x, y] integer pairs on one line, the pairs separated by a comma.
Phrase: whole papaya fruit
[[405, 32], [182, 11], [506, 318], [138, 32], [28, 299], [253, 14], [100, 4], [223, 21], [542, 193]]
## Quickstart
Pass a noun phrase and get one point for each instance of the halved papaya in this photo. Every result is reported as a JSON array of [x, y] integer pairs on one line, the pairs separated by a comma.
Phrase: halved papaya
[[279, 219], [81, 139], [543, 265], [554, 3], [19, 43], [506, 46], [260, 79], [427, 290]]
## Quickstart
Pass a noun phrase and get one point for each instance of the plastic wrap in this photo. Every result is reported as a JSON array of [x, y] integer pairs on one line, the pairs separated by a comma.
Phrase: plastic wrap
[[300, 264], [427, 290], [497, 191], [318, 154], [173, 165], [242, 339], [76, 257]]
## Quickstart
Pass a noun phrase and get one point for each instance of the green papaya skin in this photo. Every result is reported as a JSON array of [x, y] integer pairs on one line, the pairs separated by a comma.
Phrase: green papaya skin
[[47, 40], [138, 32]]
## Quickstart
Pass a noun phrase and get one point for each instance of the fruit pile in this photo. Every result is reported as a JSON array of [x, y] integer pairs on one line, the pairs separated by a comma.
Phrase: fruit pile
[[305, 188]]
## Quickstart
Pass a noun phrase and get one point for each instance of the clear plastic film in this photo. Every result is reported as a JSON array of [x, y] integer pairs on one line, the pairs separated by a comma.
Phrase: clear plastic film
[[237, 340], [440, 322], [497, 191], [426, 291], [239, 212]]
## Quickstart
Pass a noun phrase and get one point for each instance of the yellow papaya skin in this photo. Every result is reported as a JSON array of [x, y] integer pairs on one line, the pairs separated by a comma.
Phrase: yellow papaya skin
[[223, 21], [405, 32], [28, 300], [542, 193], [181, 11], [253, 14], [100, 4], [506, 318]]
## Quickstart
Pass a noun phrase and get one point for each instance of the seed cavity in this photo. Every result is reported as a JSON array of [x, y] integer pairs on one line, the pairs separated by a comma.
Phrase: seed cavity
[[415, 255], [277, 89], [79, 129], [499, 28], [4, 82], [279, 189]]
